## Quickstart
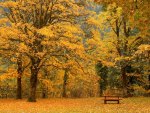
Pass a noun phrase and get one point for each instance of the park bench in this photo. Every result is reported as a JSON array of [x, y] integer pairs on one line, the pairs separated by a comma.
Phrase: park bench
[[111, 98]]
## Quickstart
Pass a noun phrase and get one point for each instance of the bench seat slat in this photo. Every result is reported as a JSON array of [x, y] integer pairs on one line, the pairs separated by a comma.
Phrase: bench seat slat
[[111, 98]]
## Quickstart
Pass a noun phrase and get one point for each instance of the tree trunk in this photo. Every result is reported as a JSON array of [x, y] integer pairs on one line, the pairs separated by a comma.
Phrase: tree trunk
[[33, 84], [101, 89], [44, 92], [124, 79], [33, 79], [19, 84], [19, 88], [149, 81], [64, 94]]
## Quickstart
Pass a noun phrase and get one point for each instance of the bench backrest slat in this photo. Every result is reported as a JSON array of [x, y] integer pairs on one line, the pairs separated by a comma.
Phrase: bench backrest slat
[[113, 97]]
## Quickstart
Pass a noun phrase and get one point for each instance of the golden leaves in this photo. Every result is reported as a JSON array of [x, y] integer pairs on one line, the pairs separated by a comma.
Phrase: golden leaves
[[93, 21], [143, 50], [9, 4], [3, 21], [46, 31], [88, 105], [23, 48], [144, 47], [9, 74]]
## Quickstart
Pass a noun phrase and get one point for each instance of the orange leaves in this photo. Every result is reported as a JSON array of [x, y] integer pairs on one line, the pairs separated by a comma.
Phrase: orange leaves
[[93, 21], [143, 50], [144, 47], [46, 31], [88, 105], [10, 4], [3, 21], [23, 48], [9, 74], [70, 46]]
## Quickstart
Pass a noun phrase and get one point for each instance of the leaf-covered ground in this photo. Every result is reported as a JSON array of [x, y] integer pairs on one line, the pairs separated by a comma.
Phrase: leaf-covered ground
[[88, 105]]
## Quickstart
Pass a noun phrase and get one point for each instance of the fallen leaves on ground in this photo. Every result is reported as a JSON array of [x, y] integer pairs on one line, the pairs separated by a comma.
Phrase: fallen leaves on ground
[[86, 105]]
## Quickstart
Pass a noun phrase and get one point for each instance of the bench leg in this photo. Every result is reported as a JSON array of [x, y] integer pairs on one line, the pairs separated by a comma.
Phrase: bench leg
[[105, 102]]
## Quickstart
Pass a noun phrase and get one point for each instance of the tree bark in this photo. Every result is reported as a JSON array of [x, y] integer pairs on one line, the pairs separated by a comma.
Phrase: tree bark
[[19, 84], [43, 93], [19, 88], [33, 79], [33, 84], [149, 81], [64, 94], [124, 79]]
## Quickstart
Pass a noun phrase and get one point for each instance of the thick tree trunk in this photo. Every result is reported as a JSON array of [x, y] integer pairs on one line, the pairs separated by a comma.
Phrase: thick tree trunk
[[33, 84], [19, 88], [19, 84], [35, 61], [64, 94], [33, 79], [124, 79]]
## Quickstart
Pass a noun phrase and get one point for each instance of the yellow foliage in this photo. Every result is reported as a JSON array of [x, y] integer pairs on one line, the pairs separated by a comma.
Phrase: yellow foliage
[[46, 31]]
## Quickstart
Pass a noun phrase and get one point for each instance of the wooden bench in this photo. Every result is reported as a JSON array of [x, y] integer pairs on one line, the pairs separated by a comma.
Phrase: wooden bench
[[111, 98]]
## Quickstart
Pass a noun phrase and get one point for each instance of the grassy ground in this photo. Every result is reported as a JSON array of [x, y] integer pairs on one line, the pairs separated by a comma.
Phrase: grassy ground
[[88, 105]]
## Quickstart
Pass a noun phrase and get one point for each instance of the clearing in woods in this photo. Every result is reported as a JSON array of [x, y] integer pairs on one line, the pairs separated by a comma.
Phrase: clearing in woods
[[86, 105]]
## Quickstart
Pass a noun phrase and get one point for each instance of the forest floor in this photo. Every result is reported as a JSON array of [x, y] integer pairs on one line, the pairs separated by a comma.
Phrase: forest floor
[[86, 105]]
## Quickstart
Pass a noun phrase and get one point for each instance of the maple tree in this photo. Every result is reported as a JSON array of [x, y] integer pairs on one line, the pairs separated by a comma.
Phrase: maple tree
[[43, 30], [58, 43], [13, 59], [124, 25]]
